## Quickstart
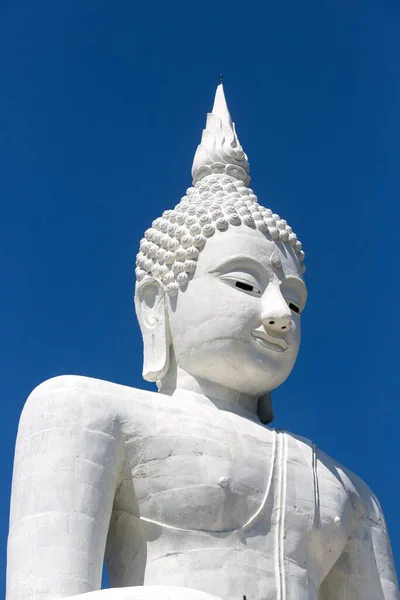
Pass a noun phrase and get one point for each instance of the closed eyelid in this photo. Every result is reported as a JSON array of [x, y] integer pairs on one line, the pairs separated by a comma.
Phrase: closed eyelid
[[242, 281]]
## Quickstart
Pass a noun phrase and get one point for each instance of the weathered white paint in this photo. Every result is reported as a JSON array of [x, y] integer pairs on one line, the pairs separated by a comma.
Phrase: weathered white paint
[[186, 493]]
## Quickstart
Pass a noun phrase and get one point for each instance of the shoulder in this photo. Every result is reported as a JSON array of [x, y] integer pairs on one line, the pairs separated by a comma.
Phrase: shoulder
[[363, 500], [77, 401]]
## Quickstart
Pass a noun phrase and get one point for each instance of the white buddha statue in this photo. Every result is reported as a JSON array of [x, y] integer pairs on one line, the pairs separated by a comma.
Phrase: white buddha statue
[[185, 492]]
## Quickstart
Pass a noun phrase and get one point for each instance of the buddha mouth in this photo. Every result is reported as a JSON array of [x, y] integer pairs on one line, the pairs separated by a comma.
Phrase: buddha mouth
[[265, 340]]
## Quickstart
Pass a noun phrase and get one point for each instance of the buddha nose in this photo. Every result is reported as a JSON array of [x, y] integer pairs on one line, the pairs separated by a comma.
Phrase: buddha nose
[[275, 313]]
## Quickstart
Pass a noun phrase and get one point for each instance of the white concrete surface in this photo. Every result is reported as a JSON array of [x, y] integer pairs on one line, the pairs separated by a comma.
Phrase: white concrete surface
[[184, 491]]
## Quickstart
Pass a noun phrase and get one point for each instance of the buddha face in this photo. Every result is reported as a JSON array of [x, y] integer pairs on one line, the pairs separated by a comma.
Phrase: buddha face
[[238, 322]]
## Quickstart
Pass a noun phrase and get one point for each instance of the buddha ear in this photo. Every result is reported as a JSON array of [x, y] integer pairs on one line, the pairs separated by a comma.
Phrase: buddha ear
[[151, 312]]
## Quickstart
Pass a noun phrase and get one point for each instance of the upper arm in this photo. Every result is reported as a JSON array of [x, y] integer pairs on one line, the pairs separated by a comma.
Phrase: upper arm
[[66, 466], [365, 569]]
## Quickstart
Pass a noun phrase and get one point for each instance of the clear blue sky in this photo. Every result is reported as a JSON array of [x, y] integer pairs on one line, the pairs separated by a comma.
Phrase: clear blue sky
[[102, 105]]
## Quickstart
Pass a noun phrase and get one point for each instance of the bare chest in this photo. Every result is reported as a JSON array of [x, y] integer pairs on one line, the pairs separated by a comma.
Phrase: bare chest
[[196, 469], [201, 469]]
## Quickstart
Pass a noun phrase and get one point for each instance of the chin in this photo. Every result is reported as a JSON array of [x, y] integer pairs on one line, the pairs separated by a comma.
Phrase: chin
[[239, 365]]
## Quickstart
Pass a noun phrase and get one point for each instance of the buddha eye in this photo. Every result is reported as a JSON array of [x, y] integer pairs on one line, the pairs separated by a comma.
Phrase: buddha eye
[[294, 307], [294, 292], [246, 283], [244, 286]]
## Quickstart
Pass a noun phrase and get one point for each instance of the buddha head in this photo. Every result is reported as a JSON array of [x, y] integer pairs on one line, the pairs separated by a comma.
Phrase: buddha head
[[219, 279]]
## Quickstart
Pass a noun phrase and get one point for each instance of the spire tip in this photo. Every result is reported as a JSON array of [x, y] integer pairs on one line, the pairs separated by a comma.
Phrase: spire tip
[[219, 150]]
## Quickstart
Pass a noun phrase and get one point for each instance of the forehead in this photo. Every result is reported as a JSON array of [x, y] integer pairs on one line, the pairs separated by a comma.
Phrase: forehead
[[244, 242]]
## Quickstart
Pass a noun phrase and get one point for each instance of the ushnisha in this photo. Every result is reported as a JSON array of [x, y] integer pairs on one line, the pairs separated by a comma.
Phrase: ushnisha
[[219, 199], [184, 492]]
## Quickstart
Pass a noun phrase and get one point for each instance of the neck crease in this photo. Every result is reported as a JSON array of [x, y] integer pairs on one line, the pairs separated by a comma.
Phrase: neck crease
[[179, 383]]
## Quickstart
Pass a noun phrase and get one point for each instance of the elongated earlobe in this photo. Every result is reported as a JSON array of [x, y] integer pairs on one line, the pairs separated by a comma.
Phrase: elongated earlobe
[[151, 313]]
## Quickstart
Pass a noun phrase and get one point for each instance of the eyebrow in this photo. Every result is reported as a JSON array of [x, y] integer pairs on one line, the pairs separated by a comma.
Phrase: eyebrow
[[237, 259]]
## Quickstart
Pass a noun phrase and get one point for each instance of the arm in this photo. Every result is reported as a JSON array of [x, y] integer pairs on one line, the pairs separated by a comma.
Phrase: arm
[[66, 467], [365, 569]]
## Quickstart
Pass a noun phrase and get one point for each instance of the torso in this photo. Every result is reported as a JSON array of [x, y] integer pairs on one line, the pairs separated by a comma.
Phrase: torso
[[210, 500]]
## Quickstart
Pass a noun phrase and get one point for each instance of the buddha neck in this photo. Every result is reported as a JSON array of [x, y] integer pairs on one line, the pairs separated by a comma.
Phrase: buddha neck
[[179, 383]]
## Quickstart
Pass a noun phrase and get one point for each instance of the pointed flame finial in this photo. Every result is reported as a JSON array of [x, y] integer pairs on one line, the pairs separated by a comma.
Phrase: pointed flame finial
[[220, 150]]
